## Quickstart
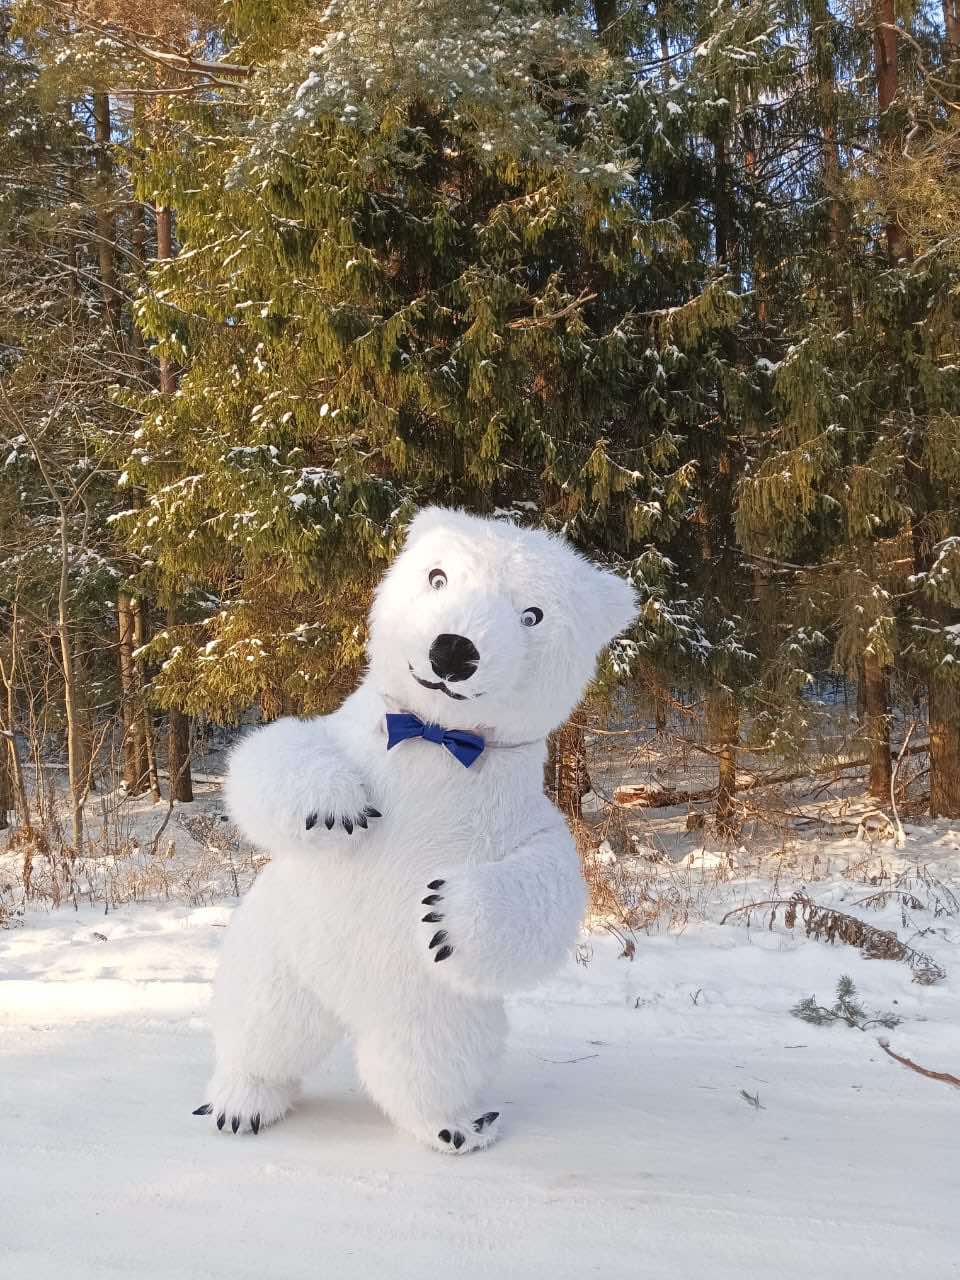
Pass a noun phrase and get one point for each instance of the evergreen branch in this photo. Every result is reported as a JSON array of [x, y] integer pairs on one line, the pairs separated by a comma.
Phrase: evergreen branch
[[149, 47], [827, 924], [846, 1009], [539, 322]]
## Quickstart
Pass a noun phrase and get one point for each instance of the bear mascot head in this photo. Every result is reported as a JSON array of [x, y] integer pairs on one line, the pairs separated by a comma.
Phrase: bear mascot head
[[481, 623]]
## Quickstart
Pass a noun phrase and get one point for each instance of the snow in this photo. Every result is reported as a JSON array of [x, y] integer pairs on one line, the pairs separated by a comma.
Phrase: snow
[[627, 1134], [631, 1144]]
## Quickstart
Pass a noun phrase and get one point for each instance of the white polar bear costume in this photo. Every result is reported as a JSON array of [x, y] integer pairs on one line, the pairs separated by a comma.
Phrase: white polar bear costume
[[412, 887]]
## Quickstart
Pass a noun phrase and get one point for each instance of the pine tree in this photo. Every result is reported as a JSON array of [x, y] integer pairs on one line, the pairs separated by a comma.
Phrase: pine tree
[[58, 358], [411, 279], [660, 277], [864, 401]]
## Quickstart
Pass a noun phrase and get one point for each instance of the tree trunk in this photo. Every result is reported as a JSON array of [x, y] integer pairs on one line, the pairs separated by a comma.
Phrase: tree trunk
[[13, 772], [663, 38], [105, 218], [758, 246], [178, 738], [178, 742], [149, 748], [138, 248], [168, 374], [8, 723], [876, 726], [659, 715], [7, 801], [723, 732], [71, 701], [723, 212], [178, 756], [86, 714], [136, 769], [21, 801], [821, 22], [885, 53], [943, 693], [609, 28], [572, 778], [138, 255], [861, 692], [951, 21], [943, 697]]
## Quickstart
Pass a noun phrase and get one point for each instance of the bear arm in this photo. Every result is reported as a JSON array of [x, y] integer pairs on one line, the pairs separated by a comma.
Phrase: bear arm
[[514, 922], [285, 774]]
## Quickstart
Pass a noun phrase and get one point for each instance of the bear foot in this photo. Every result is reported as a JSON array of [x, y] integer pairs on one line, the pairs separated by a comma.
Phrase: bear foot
[[247, 1103], [469, 1135]]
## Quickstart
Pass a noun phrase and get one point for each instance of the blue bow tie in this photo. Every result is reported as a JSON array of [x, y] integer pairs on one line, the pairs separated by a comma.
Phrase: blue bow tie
[[462, 744]]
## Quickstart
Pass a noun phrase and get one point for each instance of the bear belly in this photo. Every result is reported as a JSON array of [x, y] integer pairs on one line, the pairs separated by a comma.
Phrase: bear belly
[[350, 913]]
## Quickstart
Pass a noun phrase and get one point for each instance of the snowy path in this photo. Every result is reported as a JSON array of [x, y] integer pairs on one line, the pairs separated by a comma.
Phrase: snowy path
[[639, 1159]]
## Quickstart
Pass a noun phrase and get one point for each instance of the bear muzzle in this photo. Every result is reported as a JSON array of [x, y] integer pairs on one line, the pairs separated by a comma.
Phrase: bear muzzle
[[453, 657]]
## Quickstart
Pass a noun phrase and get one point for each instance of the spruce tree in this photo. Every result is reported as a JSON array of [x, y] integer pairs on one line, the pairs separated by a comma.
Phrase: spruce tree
[[854, 475], [59, 354], [407, 272]]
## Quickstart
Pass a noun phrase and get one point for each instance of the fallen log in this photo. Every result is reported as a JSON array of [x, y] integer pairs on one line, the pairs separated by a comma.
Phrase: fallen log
[[654, 797], [658, 797]]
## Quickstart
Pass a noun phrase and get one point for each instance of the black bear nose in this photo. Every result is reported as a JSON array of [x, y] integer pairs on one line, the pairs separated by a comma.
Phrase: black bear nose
[[454, 657]]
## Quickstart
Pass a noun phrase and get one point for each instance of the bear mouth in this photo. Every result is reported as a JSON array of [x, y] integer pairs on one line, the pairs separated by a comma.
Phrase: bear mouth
[[439, 686]]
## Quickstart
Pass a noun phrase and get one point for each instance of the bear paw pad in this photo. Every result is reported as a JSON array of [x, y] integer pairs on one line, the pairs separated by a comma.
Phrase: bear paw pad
[[471, 1135]]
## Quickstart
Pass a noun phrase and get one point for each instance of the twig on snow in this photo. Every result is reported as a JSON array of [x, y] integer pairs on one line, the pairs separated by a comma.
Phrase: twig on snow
[[945, 1076], [753, 1099], [562, 1062]]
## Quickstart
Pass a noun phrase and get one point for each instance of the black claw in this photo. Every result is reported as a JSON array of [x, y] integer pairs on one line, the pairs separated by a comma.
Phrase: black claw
[[255, 1123], [204, 1110], [235, 1123], [444, 1135], [438, 937], [436, 884], [361, 821], [371, 812], [443, 953], [221, 1120], [431, 898], [481, 1122], [458, 1139], [328, 821], [311, 821], [347, 824], [432, 917]]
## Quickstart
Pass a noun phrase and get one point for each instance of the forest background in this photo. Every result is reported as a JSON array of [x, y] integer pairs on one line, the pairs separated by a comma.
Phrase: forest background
[[679, 279]]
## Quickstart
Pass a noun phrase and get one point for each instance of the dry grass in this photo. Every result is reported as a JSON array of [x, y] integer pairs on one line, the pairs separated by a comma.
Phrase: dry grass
[[654, 863], [129, 856], [636, 888]]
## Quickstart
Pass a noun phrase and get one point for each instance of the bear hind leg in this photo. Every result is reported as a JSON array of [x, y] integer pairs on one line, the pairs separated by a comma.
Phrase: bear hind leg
[[429, 1080], [268, 1031]]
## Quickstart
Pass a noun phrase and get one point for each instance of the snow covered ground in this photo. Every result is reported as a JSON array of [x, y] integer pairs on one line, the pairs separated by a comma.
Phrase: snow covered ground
[[629, 1149]]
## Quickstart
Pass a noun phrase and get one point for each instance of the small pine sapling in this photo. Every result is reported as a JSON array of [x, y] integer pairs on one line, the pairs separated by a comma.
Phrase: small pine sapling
[[847, 1008]]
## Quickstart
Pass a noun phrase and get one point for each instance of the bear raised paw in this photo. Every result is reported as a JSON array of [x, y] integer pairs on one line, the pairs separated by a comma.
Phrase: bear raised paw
[[418, 872]]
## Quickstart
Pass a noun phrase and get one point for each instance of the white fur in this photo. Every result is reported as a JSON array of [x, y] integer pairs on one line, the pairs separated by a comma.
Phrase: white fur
[[330, 942]]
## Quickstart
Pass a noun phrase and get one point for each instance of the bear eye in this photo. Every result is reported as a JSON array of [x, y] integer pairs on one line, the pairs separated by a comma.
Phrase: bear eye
[[437, 579], [530, 617]]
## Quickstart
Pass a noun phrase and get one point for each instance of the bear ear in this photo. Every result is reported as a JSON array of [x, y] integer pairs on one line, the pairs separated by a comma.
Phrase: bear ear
[[611, 604], [429, 518]]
